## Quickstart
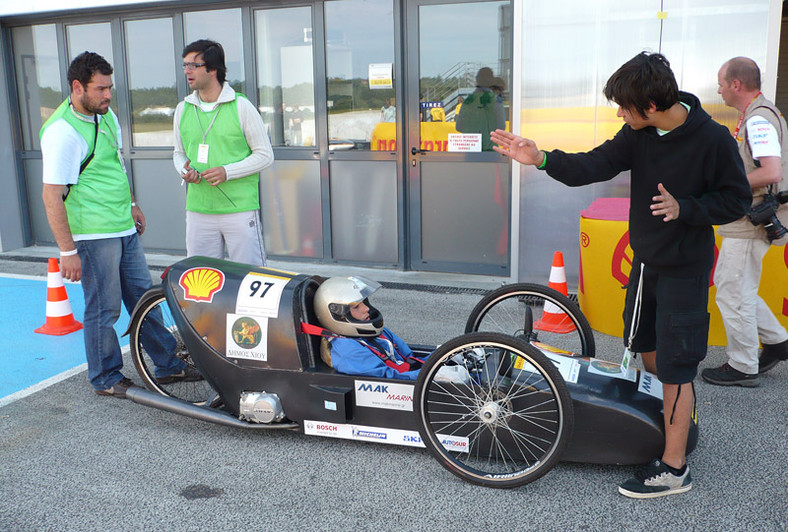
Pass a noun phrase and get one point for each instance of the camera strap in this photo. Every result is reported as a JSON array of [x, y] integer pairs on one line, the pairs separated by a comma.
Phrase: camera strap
[[89, 158]]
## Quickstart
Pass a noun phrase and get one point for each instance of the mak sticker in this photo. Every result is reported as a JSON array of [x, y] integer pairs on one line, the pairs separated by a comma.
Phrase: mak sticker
[[375, 394]]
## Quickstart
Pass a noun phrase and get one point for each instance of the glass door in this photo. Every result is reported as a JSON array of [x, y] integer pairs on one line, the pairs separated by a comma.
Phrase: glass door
[[458, 79]]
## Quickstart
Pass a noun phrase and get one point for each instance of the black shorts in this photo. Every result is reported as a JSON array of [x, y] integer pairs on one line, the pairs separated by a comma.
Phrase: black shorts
[[674, 321]]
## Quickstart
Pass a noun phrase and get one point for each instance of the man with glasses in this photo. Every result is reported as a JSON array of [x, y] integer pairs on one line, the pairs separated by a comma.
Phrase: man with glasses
[[221, 146], [96, 222]]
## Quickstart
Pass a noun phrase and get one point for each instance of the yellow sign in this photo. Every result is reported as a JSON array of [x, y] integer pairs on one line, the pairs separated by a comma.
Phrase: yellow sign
[[605, 264], [434, 136]]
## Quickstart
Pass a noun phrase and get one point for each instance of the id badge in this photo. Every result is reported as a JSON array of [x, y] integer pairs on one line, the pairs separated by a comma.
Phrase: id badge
[[626, 360], [202, 154]]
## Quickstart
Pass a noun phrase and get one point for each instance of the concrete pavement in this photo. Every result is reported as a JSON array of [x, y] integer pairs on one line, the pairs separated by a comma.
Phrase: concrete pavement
[[71, 460]]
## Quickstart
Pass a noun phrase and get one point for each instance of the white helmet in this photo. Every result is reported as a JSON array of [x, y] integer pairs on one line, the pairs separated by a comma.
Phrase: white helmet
[[332, 305]]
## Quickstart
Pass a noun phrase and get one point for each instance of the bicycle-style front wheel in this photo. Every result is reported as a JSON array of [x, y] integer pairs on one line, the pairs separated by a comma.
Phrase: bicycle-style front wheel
[[535, 314], [153, 340], [493, 410]]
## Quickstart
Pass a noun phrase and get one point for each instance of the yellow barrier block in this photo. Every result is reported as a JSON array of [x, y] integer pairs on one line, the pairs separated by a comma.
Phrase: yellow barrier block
[[434, 136], [606, 261]]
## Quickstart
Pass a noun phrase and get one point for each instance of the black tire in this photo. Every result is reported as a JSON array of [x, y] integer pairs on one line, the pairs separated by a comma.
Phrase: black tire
[[518, 310], [153, 314], [507, 423]]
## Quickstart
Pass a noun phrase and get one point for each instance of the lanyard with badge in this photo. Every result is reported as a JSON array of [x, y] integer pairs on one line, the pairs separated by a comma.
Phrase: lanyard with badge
[[202, 149]]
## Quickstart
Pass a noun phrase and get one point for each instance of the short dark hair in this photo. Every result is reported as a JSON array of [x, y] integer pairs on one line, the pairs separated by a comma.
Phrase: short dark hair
[[641, 81], [212, 55], [745, 70], [85, 65]]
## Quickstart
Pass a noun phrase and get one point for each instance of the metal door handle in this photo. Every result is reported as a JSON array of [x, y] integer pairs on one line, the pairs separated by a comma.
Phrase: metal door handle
[[414, 150]]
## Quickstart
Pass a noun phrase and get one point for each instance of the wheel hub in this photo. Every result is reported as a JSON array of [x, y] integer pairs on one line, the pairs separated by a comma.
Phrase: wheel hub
[[490, 413]]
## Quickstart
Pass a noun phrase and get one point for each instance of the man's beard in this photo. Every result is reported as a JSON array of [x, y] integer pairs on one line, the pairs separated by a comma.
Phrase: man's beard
[[86, 104]]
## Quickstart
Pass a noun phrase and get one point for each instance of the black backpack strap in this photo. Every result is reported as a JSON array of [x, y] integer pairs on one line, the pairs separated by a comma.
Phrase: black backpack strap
[[89, 158]]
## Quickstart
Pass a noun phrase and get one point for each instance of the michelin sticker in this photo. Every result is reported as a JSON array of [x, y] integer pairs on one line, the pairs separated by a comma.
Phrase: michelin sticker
[[375, 394], [259, 295], [247, 337]]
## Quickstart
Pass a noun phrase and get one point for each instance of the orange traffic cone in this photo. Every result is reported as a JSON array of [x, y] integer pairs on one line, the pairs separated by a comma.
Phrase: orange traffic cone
[[60, 319], [553, 318]]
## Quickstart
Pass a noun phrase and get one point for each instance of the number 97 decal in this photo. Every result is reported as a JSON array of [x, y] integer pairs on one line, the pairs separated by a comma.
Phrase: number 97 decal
[[259, 295]]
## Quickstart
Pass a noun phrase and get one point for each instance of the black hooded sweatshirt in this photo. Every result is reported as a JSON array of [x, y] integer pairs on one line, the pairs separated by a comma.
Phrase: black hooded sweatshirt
[[698, 163]]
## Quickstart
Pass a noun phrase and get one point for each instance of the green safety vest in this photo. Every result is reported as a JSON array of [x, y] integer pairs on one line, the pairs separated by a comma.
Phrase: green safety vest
[[227, 144], [100, 201]]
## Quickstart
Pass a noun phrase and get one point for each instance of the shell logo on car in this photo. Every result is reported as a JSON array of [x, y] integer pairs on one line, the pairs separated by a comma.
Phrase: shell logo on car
[[201, 284]]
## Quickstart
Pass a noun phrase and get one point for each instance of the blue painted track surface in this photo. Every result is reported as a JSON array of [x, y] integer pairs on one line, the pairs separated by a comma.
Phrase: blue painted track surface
[[28, 358]]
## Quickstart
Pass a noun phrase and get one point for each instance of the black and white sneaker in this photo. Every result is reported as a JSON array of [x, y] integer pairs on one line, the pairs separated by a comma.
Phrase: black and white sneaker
[[656, 480]]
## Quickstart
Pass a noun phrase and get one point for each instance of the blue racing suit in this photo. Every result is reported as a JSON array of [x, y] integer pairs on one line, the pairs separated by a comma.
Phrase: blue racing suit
[[365, 356]]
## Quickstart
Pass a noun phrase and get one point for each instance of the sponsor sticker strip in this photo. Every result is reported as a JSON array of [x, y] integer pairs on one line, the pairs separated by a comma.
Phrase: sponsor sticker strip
[[409, 438]]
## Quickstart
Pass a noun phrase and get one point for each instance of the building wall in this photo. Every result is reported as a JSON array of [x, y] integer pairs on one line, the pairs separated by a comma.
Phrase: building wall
[[570, 49], [13, 214], [567, 48]]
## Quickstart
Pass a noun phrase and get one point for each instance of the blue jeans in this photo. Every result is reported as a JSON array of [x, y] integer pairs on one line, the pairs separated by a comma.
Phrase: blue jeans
[[115, 270]]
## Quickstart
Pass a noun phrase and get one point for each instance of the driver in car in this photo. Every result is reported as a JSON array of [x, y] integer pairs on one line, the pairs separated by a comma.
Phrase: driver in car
[[361, 345]]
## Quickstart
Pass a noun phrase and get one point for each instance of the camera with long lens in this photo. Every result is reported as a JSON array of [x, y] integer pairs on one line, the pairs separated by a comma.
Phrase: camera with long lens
[[766, 214]]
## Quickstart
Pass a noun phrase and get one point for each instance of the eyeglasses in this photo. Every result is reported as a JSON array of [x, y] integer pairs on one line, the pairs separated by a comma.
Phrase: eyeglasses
[[192, 66]]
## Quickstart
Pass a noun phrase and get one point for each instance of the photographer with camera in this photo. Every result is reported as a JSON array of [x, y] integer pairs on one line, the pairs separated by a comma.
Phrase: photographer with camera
[[760, 134]]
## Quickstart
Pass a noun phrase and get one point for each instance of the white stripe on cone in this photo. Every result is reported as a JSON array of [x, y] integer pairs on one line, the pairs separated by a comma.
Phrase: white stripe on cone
[[551, 308], [54, 280], [57, 309], [557, 275]]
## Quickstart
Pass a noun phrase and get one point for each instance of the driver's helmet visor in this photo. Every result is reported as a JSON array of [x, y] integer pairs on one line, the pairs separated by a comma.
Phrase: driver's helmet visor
[[365, 287]]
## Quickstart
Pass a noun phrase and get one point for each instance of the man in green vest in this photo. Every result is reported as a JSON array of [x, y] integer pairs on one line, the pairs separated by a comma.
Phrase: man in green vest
[[221, 146], [96, 223]]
